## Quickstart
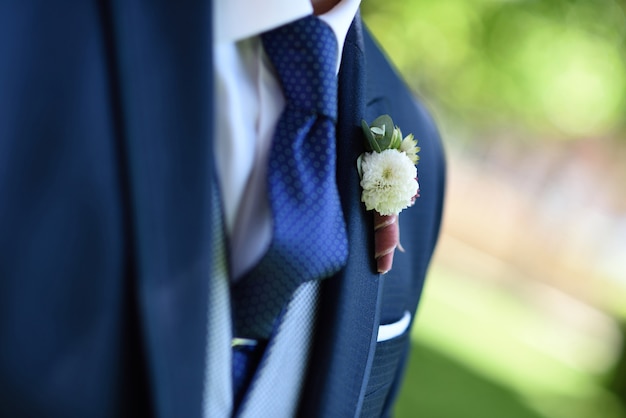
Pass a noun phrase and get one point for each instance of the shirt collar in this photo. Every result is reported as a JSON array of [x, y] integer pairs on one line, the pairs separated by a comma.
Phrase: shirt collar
[[239, 19], [339, 18]]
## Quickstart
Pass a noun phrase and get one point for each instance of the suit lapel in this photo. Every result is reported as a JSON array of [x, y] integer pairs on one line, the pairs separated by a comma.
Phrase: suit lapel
[[164, 75], [349, 312]]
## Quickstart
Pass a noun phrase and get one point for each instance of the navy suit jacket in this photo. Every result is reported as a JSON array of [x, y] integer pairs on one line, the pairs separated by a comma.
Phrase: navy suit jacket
[[106, 171]]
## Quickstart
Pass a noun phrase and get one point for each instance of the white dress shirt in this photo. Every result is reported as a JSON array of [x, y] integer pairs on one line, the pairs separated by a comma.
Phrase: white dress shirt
[[248, 104]]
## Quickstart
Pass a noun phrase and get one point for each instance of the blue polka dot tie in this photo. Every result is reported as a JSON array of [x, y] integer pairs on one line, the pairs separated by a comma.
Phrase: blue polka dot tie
[[309, 235]]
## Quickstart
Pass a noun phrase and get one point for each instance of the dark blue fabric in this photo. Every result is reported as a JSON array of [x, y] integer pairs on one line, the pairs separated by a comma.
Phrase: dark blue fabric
[[164, 61], [69, 343], [388, 358], [309, 234], [105, 161]]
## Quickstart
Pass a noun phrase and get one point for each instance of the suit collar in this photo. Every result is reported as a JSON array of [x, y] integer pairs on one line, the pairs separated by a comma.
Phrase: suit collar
[[349, 312], [162, 55]]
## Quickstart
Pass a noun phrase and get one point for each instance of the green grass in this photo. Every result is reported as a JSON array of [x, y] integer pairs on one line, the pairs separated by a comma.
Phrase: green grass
[[485, 350], [438, 386]]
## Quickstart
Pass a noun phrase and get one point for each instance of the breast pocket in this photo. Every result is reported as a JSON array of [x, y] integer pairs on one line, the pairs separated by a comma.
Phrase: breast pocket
[[391, 349]]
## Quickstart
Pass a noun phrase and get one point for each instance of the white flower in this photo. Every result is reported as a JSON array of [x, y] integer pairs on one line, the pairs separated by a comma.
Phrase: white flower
[[388, 181]]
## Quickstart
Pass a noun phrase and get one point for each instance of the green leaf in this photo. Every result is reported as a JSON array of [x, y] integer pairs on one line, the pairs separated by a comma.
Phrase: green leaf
[[371, 141], [385, 122]]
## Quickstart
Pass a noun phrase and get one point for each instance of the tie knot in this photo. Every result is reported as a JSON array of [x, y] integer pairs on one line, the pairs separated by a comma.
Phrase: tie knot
[[304, 54]]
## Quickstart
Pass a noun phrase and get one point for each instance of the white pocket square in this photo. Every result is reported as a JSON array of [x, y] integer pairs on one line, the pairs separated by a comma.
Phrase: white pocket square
[[395, 329]]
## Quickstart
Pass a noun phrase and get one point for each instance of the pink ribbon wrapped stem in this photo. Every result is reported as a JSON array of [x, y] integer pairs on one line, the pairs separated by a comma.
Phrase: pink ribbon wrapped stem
[[386, 239]]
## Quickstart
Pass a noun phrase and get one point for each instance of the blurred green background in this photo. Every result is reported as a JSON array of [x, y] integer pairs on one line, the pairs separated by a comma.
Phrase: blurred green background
[[524, 309]]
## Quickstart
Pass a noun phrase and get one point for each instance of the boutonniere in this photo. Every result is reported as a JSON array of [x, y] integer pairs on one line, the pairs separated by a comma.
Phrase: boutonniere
[[389, 180]]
